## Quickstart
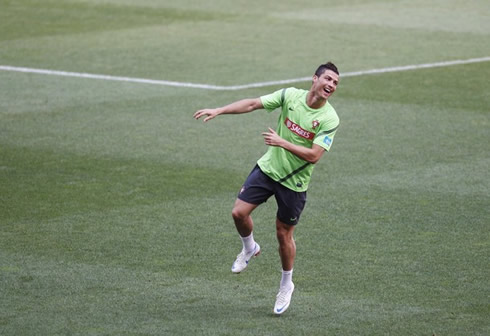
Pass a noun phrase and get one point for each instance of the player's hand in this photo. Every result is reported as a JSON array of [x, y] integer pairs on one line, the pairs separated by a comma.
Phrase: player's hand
[[210, 113], [271, 138]]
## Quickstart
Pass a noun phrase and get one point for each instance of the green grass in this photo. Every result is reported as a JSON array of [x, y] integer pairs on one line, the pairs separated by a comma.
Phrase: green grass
[[115, 204]]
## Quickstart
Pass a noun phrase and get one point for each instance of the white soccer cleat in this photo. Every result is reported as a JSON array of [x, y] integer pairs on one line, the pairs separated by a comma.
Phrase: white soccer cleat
[[283, 300], [243, 259]]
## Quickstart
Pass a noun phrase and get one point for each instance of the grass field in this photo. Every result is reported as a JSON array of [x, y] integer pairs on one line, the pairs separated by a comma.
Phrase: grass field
[[115, 204]]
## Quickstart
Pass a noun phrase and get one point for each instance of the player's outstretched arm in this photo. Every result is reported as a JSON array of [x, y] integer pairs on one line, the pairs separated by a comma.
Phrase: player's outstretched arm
[[241, 106]]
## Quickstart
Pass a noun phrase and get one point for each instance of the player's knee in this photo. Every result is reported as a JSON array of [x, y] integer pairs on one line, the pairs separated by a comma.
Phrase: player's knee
[[238, 214], [284, 233], [284, 236]]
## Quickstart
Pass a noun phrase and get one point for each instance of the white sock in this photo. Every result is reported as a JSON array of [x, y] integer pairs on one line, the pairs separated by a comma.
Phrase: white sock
[[287, 278], [248, 242]]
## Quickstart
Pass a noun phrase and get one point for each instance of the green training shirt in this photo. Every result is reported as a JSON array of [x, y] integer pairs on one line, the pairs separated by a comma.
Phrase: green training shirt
[[300, 125]]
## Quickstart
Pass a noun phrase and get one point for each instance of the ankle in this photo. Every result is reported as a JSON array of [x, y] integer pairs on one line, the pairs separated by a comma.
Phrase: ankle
[[248, 243], [287, 279]]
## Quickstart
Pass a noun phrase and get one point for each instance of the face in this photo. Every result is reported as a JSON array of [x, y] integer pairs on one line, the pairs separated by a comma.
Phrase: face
[[325, 84]]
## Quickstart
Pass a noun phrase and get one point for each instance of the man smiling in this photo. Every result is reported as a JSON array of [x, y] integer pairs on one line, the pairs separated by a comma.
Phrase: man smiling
[[305, 130]]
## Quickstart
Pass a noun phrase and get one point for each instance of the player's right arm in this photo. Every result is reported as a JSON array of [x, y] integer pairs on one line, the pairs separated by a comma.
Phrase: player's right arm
[[240, 106]]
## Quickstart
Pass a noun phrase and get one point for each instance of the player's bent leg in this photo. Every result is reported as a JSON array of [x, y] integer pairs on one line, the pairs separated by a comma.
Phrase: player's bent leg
[[244, 225], [241, 216]]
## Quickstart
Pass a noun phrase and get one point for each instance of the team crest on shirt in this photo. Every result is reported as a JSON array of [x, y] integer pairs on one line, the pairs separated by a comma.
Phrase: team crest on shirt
[[315, 123]]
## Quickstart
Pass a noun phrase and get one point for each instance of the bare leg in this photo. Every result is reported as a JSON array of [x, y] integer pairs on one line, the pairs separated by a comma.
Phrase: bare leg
[[287, 246], [241, 216], [287, 251], [244, 225]]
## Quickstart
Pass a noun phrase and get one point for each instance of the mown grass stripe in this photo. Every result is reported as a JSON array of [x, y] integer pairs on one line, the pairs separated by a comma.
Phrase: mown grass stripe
[[238, 87]]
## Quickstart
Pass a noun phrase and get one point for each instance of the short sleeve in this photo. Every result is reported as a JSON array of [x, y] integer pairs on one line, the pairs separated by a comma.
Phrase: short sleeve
[[273, 100], [325, 138]]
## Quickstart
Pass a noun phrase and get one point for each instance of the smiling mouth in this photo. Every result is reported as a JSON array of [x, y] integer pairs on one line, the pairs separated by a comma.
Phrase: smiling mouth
[[327, 90]]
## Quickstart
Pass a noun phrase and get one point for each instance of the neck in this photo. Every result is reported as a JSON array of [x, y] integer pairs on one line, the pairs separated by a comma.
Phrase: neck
[[314, 101]]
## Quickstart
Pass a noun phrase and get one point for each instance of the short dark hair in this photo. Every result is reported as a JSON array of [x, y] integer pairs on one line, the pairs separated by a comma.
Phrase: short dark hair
[[327, 66]]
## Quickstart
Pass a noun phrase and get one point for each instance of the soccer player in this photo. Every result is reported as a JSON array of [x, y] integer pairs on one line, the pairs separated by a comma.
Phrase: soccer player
[[305, 130]]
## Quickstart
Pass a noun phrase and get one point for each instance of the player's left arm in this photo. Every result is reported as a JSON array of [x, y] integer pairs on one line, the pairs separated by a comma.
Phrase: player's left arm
[[311, 155]]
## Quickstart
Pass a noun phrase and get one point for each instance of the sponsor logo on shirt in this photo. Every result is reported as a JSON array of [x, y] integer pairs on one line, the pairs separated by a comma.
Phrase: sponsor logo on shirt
[[295, 128], [327, 141]]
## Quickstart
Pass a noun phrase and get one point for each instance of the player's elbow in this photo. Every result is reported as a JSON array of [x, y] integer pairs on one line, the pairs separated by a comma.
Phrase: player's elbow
[[254, 104], [315, 155], [313, 160]]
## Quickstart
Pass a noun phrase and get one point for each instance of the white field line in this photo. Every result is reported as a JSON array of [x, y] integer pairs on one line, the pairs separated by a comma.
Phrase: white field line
[[238, 87]]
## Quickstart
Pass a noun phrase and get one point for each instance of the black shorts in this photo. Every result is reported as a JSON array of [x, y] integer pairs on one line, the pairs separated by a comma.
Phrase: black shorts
[[259, 187]]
